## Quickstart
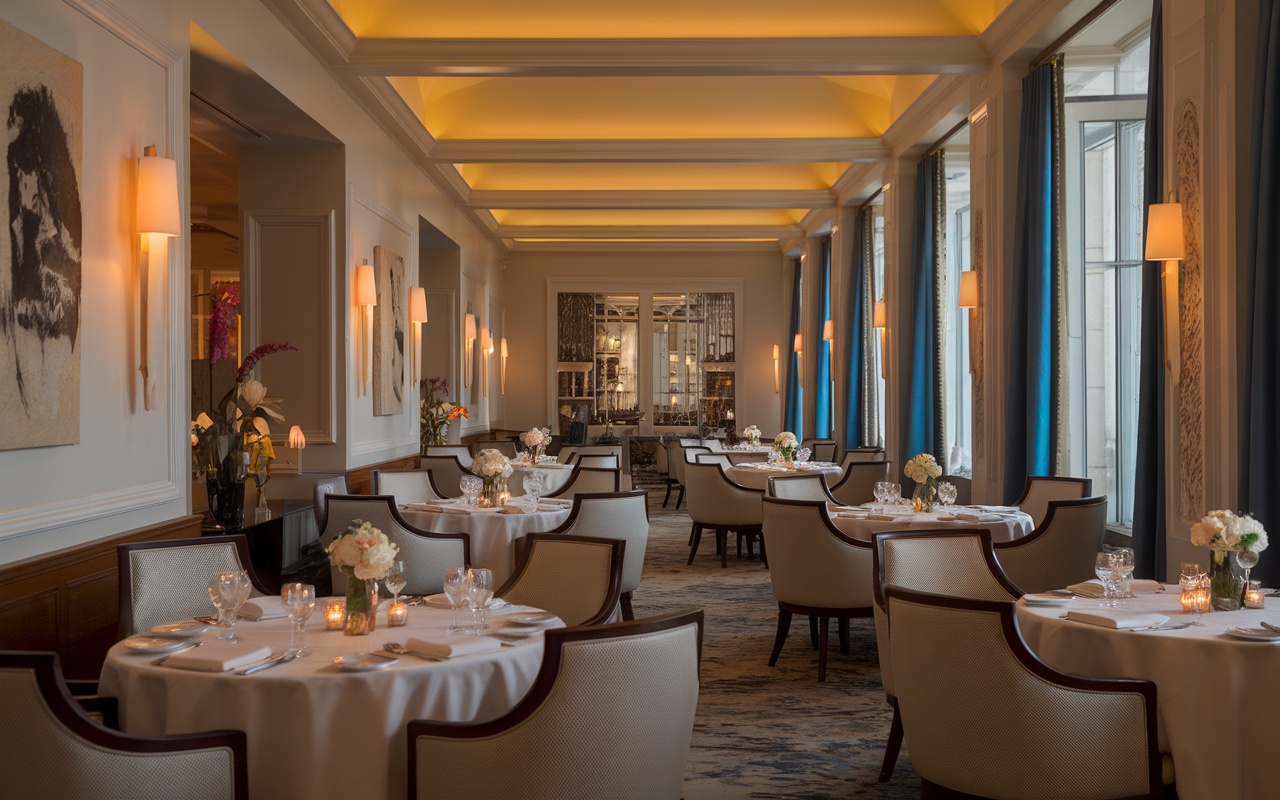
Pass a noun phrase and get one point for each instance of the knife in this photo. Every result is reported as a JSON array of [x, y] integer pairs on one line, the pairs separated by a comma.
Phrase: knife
[[284, 659]]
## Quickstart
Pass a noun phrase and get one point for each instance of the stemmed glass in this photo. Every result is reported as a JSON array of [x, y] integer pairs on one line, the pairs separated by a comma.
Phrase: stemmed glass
[[1246, 560], [470, 485], [946, 493], [396, 580], [299, 599], [533, 484], [479, 590], [228, 591], [1106, 566], [1124, 572], [455, 590]]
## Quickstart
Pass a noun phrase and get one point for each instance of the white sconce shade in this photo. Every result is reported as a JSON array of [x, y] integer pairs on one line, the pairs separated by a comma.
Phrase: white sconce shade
[[298, 442], [777, 370], [968, 289], [469, 341], [829, 331], [417, 304], [1166, 242], [366, 285], [502, 364], [879, 315], [366, 295], [417, 316], [486, 349], [798, 347], [158, 207], [158, 217]]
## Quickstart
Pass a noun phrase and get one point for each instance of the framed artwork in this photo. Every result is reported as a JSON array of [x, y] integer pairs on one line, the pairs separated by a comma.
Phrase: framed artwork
[[390, 319], [40, 280]]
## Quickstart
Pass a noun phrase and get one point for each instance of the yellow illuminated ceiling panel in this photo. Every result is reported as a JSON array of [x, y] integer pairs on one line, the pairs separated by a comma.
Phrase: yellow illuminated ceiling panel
[[650, 176], [628, 217]]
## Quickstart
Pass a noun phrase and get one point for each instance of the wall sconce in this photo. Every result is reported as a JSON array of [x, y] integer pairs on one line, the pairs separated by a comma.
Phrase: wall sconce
[[366, 299], [417, 316], [879, 321], [298, 442], [798, 346], [968, 289], [777, 370], [1166, 243], [486, 349], [502, 364], [468, 336], [159, 218]]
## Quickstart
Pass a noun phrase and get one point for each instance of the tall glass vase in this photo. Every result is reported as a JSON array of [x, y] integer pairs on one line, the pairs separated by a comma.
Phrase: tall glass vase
[[1226, 584], [224, 479], [924, 496], [362, 606]]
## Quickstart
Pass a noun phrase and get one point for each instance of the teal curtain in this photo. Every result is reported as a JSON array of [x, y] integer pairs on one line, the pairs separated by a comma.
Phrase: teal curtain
[[1148, 490], [793, 414], [1259, 422], [822, 385], [859, 397], [1031, 412], [922, 418]]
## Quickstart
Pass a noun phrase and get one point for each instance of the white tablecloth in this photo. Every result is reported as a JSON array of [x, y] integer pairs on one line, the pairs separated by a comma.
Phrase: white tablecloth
[[755, 475], [493, 534], [1217, 696], [1004, 525], [554, 476], [316, 732]]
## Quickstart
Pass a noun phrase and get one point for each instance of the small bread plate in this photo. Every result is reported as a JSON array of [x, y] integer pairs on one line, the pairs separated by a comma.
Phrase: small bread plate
[[1253, 634], [155, 644], [182, 630], [1047, 599], [437, 600], [362, 662], [531, 619]]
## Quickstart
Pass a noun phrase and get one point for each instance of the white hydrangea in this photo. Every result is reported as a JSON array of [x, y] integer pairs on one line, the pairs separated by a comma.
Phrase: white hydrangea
[[786, 439], [922, 467], [491, 464], [1225, 530], [363, 551], [536, 437]]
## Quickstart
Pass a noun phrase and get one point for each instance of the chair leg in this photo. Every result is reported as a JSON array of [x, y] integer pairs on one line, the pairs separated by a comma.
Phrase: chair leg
[[842, 628], [680, 499], [625, 602], [723, 535], [764, 557], [823, 625], [893, 745], [695, 536], [739, 537], [813, 632], [668, 497], [784, 625]]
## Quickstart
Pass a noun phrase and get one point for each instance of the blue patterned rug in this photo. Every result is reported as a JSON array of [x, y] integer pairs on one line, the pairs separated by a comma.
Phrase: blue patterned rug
[[767, 732]]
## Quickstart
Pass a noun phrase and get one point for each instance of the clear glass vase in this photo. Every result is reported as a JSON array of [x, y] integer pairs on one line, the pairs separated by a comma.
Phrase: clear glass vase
[[924, 496], [362, 606], [1226, 583]]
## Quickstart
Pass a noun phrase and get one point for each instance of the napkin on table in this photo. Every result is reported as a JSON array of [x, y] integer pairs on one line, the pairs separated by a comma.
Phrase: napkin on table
[[512, 509], [1093, 588], [264, 607], [218, 657], [1117, 619], [881, 517], [978, 517], [437, 509], [459, 646]]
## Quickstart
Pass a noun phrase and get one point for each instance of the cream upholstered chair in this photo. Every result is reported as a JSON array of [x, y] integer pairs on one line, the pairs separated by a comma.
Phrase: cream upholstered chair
[[1059, 552], [964, 488], [858, 483], [609, 717], [570, 455], [687, 454], [736, 457], [956, 563], [168, 579], [662, 466], [800, 487], [577, 578], [687, 441], [821, 449], [967, 681], [589, 480], [815, 570], [505, 446], [426, 555], [445, 471], [462, 452], [336, 484], [860, 454], [615, 515], [406, 485], [713, 458], [601, 460], [1040, 489], [720, 504], [52, 749]]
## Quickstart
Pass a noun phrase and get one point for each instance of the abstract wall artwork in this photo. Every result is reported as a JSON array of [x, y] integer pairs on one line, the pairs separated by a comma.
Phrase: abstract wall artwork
[[390, 318], [40, 169]]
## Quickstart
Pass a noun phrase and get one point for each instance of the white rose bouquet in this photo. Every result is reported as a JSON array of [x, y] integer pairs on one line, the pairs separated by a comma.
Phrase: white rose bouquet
[[785, 445], [752, 434], [1226, 530], [363, 552], [924, 470], [491, 465], [535, 439]]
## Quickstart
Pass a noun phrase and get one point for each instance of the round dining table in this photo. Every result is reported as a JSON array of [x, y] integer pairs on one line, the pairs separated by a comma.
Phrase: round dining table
[[493, 531], [756, 474], [313, 730], [1216, 695], [1006, 523]]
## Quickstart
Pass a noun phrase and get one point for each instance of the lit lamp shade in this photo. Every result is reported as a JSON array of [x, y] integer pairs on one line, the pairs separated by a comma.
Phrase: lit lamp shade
[[1164, 233], [969, 289], [366, 286], [296, 440], [417, 304], [829, 330], [799, 342], [879, 315], [158, 208]]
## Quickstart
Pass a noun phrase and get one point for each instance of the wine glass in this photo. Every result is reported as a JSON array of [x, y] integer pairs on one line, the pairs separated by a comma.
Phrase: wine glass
[[882, 492], [395, 580], [1124, 576], [946, 493], [229, 590], [533, 484], [455, 590], [299, 599], [470, 485], [1246, 560], [1105, 566], [479, 590]]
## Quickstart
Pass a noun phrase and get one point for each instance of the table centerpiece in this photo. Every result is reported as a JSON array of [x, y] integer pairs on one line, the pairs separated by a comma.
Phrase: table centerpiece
[[752, 434], [365, 555], [536, 440], [491, 466], [924, 470], [1227, 533], [786, 446]]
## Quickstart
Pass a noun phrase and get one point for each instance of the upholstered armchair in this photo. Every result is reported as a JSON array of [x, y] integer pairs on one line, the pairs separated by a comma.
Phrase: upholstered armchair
[[720, 504], [811, 487], [589, 480], [406, 485], [1040, 489], [446, 472], [1061, 550], [858, 483], [615, 515], [426, 555], [577, 578]]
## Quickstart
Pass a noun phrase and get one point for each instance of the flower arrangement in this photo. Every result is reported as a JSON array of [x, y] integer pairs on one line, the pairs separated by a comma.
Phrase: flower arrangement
[[752, 434], [786, 445], [491, 465], [363, 552], [1227, 531], [924, 470], [226, 299], [437, 412], [536, 439]]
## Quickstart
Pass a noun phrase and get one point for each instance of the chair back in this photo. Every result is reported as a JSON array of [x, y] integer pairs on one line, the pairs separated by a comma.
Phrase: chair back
[[573, 455], [714, 458], [661, 464], [336, 484], [52, 749], [406, 485], [858, 483], [610, 715], [426, 555], [577, 578], [964, 488], [462, 452], [168, 579], [589, 480], [961, 664], [860, 454], [504, 446], [687, 454], [716, 501], [577, 433], [446, 471], [821, 449], [744, 458], [1040, 489], [811, 562], [691, 442], [614, 515], [1061, 551], [811, 487], [714, 445], [602, 460]]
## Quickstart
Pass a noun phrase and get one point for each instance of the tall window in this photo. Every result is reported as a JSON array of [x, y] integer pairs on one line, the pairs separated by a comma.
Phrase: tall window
[[955, 342], [877, 268]]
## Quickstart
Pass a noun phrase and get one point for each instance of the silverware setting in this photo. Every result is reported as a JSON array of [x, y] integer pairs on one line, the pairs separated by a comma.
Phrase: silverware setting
[[160, 661], [1168, 626], [1270, 627], [401, 650], [274, 661]]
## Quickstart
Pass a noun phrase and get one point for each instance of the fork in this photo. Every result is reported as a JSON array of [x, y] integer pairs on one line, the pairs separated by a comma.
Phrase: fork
[[160, 661]]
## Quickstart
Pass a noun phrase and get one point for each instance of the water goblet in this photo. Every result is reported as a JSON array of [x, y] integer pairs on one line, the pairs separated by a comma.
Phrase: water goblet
[[479, 591], [231, 589], [895, 494], [533, 484], [803, 455], [1246, 560], [470, 485], [1124, 576], [299, 599], [946, 493], [455, 590], [395, 580], [1106, 567]]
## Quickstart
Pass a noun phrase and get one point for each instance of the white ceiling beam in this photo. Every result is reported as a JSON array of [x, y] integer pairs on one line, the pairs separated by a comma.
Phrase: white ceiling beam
[[643, 199], [491, 58], [496, 151], [668, 232]]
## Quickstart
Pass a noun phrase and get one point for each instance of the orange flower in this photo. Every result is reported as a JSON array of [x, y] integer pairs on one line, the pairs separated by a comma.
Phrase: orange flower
[[455, 412]]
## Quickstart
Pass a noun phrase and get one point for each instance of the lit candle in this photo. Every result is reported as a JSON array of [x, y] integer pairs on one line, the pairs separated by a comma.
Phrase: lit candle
[[1204, 600], [1188, 598], [397, 614], [1253, 597], [503, 497], [335, 615]]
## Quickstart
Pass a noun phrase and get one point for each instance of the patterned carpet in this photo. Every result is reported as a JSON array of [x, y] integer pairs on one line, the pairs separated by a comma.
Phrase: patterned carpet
[[768, 732]]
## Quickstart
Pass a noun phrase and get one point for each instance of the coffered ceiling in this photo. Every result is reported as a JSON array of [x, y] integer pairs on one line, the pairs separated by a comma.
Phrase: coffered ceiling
[[589, 123]]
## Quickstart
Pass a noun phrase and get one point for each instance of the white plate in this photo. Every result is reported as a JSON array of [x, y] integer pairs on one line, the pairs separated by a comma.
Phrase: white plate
[[361, 662], [155, 644], [531, 619], [185, 628], [1046, 599], [1253, 634]]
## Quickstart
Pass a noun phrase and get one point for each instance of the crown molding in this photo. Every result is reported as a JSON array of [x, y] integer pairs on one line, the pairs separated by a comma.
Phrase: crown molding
[[317, 24], [590, 246], [495, 151], [669, 232], [674, 199]]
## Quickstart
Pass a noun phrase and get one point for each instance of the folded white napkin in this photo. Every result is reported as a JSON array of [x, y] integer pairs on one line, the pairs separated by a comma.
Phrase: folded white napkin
[[263, 608], [511, 508], [218, 657], [456, 646], [881, 517], [1093, 588], [977, 517], [1117, 619], [437, 509]]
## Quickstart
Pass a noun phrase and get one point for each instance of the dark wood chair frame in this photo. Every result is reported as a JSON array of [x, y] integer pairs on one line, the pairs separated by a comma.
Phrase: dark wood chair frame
[[57, 696], [783, 478], [414, 530], [544, 683], [456, 460], [669, 478], [612, 592], [577, 473], [748, 533], [812, 444], [697, 449], [1054, 505], [238, 540], [894, 743], [624, 598], [1018, 646], [374, 475], [321, 509], [501, 445], [819, 617], [1086, 485], [848, 473], [844, 457]]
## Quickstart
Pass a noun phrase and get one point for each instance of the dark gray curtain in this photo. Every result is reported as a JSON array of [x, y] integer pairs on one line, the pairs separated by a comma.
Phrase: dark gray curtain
[[923, 431], [1259, 422], [1032, 408], [793, 415], [860, 399], [1149, 494]]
